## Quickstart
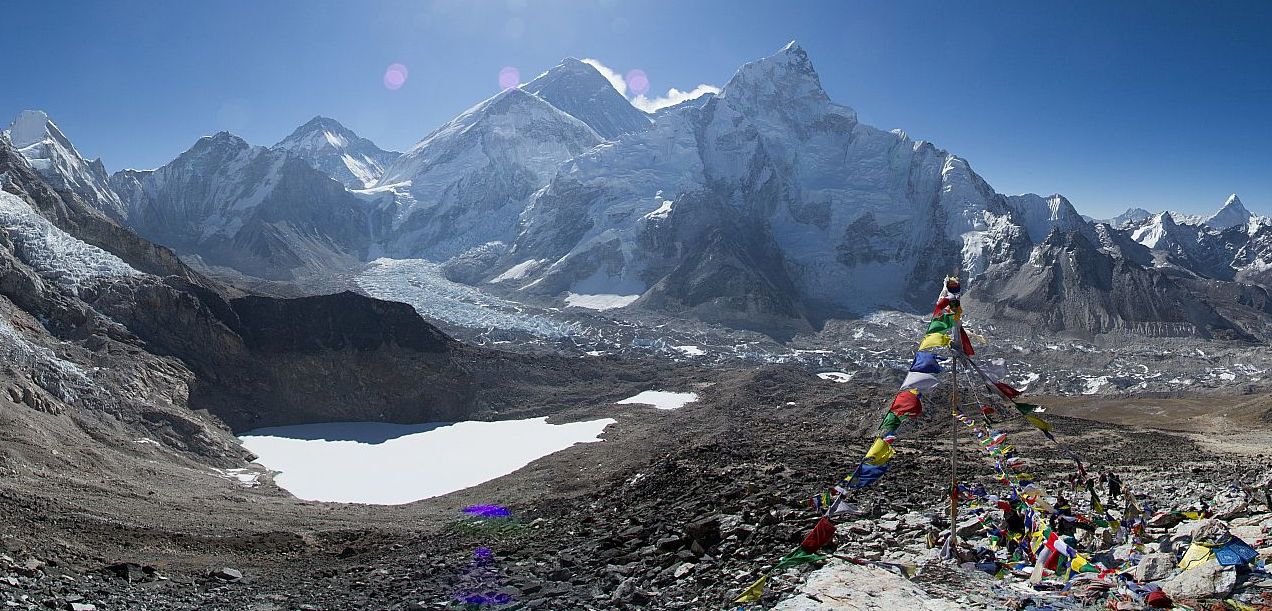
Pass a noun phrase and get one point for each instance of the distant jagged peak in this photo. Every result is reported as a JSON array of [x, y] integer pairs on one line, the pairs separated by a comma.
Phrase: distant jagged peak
[[219, 141], [573, 67], [789, 60], [1232, 214], [29, 127], [785, 82], [1132, 215], [511, 101], [320, 132], [579, 89], [33, 127]]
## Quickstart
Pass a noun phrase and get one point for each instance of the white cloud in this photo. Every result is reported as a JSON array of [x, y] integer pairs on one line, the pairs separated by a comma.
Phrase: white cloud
[[610, 75], [674, 96]]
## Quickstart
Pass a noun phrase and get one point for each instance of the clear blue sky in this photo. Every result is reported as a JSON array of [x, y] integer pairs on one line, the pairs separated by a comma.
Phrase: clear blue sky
[[1157, 104]]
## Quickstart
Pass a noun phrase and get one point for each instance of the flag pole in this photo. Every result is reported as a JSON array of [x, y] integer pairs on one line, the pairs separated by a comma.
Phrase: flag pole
[[954, 436]]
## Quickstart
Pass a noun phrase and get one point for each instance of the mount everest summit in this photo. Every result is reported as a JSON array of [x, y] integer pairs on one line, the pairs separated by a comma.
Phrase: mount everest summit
[[765, 206]]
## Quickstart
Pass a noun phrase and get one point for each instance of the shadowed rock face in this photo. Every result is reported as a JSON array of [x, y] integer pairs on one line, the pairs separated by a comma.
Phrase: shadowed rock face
[[1068, 284], [335, 322]]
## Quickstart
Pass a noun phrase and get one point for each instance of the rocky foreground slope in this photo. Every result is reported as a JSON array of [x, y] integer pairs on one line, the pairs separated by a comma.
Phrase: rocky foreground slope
[[674, 510]]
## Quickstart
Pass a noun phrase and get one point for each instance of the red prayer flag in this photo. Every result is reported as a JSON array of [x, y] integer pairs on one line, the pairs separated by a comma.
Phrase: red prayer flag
[[907, 404], [819, 536], [941, 304], [967, 343], [1007, 390]]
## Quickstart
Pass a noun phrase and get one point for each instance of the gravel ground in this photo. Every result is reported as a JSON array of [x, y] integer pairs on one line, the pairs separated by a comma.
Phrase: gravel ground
[[675, 510]]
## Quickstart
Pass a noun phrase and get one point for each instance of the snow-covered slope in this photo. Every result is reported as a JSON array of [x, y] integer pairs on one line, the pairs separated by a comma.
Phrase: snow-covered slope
[[466, 183], [1041, 215], [54, 254], [264, 212], [51, 153], [767, 198], [336, 151], [578, 89]]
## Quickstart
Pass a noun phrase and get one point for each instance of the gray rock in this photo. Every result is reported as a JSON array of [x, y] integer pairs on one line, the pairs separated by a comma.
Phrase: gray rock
[[227, 574], [1208, 580], [1154, 567]]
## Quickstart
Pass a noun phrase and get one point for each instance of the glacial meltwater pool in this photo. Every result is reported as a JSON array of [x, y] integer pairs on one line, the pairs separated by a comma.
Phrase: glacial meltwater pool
[[392, 464]]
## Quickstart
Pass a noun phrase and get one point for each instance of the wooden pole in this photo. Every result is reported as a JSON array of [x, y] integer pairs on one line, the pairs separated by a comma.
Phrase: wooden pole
[[954, 457], [954, 348]]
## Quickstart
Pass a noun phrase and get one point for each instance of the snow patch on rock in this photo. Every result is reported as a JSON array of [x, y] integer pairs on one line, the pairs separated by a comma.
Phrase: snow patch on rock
[[661, 399]]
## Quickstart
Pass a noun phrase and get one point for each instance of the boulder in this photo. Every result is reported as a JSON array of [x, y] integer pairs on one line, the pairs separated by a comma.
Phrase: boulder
[[1206, 580], [1165, 520], [227, 574], [1154, 567], [1211, 533]]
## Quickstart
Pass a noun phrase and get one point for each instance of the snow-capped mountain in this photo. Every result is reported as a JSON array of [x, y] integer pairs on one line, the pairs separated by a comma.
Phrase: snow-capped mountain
[[466, 183], [1232, 214], [336, 151], [767, 200], [1227, 245], [1041, 215], [1132, 215], [578, 89], [264, 212], [51, 154], [766, 206]]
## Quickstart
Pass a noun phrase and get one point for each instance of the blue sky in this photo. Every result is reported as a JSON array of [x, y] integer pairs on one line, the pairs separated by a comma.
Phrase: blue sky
[[1155, 104]]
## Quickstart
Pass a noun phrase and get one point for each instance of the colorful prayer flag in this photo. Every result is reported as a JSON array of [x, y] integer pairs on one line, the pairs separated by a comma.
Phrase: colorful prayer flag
[[920, 381], [1007, 390], [752, 593], [965, 343], [941, 324], [797, 558], [925, 362], [880, 453], [908, 404], [1041, 424], [891, 422], [934, 340], [866, 475]]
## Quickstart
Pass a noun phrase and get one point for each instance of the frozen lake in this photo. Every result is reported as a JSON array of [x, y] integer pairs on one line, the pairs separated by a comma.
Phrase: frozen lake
[[392, 464]]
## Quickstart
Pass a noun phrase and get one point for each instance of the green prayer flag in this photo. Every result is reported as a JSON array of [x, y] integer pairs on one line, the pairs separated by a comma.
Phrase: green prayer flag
[[797, 558], [1026, 408], [891, 422], [941, 324]]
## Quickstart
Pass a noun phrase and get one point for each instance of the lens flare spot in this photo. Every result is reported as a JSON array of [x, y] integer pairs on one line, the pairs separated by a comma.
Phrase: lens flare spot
[[509, 77], [637, 81], [394, 77]]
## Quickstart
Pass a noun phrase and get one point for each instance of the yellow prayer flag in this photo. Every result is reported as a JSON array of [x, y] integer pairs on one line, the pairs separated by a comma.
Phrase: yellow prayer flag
[[752, 593], [934, 340], [880, 453], [1196, 555], [1041, 424]]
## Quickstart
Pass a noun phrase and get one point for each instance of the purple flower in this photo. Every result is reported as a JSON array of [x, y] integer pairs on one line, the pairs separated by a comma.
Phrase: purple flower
[[488, 511], [488, 598]]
